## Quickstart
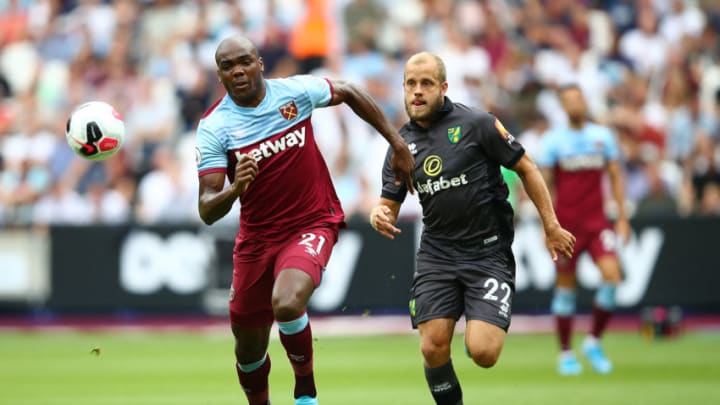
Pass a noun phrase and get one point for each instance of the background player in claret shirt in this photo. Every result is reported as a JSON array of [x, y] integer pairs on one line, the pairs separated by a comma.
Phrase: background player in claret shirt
[[260, 136], [465, 263], [574, 160]]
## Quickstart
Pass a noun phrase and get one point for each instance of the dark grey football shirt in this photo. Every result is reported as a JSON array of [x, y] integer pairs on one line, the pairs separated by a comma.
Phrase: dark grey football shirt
[[466, 214]]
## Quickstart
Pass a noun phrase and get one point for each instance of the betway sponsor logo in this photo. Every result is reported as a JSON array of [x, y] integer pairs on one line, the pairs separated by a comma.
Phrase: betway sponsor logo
[[433, 186], [582, 162], [273, 147]]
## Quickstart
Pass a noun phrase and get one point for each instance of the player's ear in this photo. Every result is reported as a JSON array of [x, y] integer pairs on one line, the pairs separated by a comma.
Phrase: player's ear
[[444, 87], [261, 62]]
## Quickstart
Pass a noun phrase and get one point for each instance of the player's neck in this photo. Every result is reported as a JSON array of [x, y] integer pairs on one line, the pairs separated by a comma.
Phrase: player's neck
[[423, 124], [577, 124]]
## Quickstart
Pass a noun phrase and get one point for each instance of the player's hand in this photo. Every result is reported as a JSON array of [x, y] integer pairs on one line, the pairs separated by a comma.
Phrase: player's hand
[[403, 165], [246, 170], [380, 221], [559, 241], [623, 230]]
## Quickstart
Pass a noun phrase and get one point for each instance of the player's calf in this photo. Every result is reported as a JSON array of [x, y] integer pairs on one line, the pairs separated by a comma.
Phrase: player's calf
[[444, 385], [296, 338], [563, 308], [253, 379]]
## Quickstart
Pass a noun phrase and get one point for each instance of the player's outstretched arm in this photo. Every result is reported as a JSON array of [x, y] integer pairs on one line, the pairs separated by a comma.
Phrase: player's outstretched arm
[[403, 163], [384, 216], [557, 239], [214, 200]]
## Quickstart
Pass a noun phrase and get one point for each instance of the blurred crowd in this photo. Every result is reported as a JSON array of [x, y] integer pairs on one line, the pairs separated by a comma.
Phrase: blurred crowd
[[650, 69]]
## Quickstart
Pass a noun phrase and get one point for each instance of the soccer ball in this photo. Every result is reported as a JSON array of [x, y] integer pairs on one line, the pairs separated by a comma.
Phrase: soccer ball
[[95, 131]]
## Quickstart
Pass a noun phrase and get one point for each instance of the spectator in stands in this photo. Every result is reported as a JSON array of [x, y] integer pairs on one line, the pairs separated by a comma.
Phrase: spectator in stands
[[313, 36], [163, 196], [652, 64], [644, 46]]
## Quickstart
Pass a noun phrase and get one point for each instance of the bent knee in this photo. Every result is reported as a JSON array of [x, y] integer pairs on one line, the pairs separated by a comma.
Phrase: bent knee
[[287, 308], [485, 357], [484, 354], [613, 278], [610, 269], [435, 351]]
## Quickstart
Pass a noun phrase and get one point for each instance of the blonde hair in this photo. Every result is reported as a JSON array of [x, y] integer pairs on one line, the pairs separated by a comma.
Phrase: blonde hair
[[423, 57]]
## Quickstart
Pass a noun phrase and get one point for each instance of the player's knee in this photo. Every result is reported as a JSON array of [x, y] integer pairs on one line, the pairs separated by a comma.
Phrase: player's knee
[[566, 279], [435, 351], [484, 357], [613, 277], [287, 308], [484, 354], [610, 269], [246, 354]]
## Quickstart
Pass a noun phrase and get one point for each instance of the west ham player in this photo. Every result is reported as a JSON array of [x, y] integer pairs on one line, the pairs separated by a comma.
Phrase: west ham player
[[574, 160], [259, 135], [465, 263]]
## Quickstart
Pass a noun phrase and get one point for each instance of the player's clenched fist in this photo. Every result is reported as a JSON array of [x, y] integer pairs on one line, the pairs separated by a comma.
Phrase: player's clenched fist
[[381, 220], [246, 170]]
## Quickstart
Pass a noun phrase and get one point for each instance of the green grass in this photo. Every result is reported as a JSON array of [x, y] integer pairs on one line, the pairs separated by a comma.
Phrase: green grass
[[196, 368]]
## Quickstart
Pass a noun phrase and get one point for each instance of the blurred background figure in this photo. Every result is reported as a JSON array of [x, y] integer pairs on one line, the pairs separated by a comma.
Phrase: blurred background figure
[[649, 69]]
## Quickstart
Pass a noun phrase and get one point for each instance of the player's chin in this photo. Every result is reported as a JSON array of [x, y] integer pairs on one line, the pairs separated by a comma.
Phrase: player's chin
[[242, 93], [416, 115]]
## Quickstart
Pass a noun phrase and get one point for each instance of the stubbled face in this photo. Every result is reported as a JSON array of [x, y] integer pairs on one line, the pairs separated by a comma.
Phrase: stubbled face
[[574, 104], [240, 71], [424, 93]]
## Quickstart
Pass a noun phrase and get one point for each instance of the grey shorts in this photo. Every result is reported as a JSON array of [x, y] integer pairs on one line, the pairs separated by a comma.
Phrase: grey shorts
[[481, 290]]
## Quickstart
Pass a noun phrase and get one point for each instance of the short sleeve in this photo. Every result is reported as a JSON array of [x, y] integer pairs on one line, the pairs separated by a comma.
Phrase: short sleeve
[[389, 189], [612, 151], [498, 143], [547, 155], [318, 89], [210, 155]]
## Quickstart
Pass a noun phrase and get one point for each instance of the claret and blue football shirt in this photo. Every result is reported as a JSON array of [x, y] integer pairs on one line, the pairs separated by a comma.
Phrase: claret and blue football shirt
[[293, 188], [578, 159]]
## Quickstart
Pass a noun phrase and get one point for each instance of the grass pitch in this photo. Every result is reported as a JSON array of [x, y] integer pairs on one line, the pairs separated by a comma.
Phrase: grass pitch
[[193, 368]]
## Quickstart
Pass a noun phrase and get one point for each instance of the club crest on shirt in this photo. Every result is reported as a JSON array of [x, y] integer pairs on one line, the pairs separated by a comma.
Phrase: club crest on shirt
[[289, 110], [504, 132], [454, 134]]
